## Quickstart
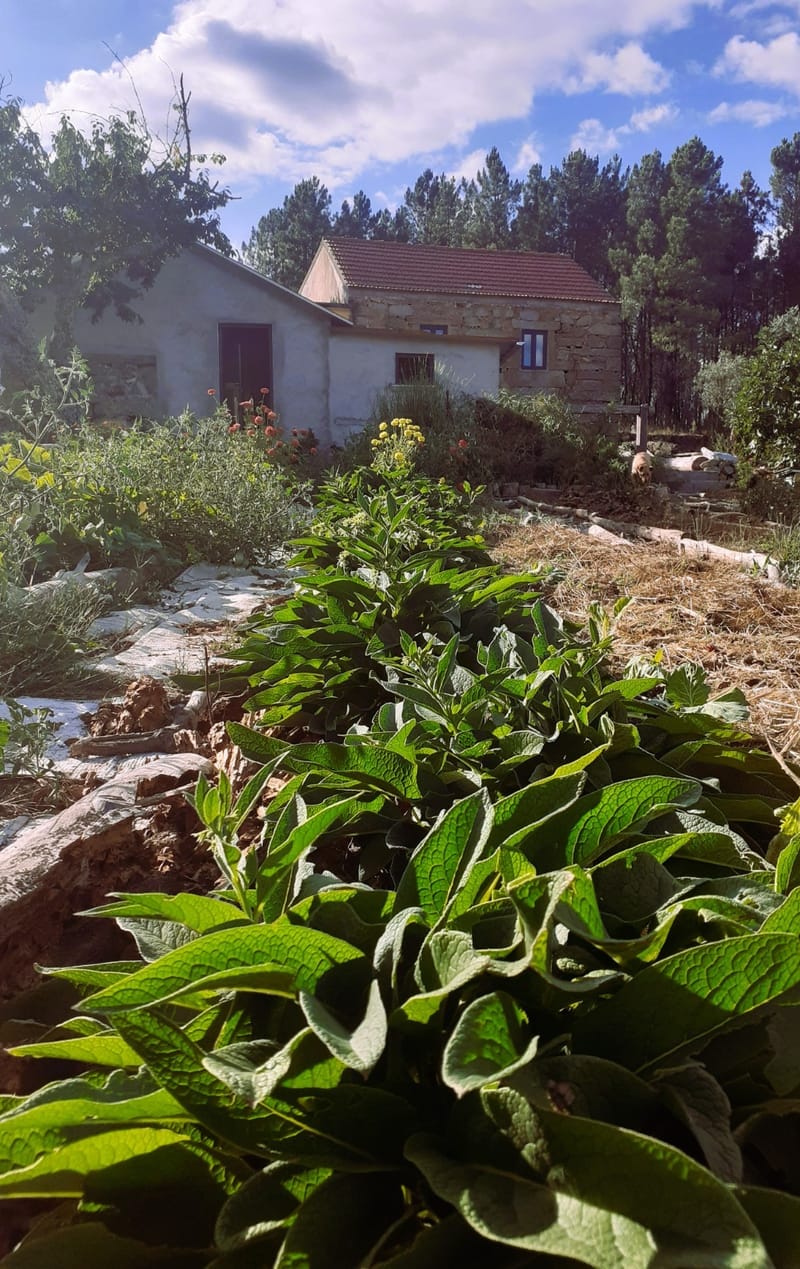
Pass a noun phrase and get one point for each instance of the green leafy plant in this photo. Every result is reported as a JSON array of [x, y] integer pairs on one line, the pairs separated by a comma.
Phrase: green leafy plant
[[506, 973], [441, 1065], [25, 736], [766, 414]]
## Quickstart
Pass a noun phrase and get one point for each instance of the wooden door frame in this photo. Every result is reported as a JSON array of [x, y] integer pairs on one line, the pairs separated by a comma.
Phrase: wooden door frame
[[266, 326]]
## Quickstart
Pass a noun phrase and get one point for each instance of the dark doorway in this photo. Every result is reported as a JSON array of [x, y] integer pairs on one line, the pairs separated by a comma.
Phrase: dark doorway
[[245, 364]]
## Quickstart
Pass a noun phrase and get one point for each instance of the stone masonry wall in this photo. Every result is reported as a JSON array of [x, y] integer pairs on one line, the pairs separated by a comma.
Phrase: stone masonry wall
[[584, 339]]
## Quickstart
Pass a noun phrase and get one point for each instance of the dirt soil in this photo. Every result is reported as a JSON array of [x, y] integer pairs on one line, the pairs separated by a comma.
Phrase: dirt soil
[[745, 631]]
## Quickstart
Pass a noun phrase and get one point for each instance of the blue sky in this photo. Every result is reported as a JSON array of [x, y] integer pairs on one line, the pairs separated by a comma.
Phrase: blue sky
[[366, 93]]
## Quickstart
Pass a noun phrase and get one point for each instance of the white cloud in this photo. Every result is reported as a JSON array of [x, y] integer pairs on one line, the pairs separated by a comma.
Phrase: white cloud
[[593, 137], [644, 120], [290, 89], [776, 63], [527, 154], [469, 167], [629, 71], [757, 113]]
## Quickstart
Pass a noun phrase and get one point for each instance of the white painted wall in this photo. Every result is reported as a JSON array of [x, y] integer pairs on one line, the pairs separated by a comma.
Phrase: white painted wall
[[181, 313], [361, 365]]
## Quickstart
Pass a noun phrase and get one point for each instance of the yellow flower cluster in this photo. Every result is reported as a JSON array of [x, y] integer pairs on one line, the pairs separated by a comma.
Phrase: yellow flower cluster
[[396, 443]]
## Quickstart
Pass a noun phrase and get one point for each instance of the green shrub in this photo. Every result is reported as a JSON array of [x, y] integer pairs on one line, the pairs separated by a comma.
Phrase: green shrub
[[446, 416], [717, 385], [767, 411], [541, 439], [166, 493], [765, 496], [194, 488], [515, 437]]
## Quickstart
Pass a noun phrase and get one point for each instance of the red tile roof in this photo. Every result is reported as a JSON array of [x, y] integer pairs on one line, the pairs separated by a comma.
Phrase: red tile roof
[[401, 266]]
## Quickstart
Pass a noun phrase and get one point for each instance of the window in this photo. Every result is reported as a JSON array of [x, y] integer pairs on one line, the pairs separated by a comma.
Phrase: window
[[534, 350], [434, 330], [413, 368]]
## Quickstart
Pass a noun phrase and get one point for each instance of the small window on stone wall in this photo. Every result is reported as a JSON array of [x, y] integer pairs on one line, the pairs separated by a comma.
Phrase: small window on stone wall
[[434, 330], [413, 368], [534, 350]]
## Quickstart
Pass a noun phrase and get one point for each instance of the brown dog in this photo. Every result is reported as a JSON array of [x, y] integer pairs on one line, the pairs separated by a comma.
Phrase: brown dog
[[642, 467]]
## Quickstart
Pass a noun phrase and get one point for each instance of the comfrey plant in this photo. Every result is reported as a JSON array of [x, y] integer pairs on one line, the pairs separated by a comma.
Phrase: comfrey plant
[[505, 974]]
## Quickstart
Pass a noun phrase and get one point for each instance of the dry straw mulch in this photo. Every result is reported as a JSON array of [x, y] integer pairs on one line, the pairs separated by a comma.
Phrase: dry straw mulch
[[743, 630]]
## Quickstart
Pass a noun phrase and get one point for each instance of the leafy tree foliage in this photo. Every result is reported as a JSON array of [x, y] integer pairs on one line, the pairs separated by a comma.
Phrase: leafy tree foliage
[[768, 402], [717, 385], [92, 219]]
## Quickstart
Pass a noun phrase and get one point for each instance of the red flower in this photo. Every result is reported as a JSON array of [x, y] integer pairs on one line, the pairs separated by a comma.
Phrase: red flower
[[251, 431], [462, 444], [246, 405], [264, 392], [269, 431], [313, 449], [270, 414], [235, 427], [212, 392], [295, 444]]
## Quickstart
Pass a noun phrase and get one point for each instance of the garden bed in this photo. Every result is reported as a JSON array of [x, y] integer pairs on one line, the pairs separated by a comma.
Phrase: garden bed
[[486, 908], [742, 629]]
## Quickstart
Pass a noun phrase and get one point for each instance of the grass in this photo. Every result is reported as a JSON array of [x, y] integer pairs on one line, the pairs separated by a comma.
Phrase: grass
[[44, 639]]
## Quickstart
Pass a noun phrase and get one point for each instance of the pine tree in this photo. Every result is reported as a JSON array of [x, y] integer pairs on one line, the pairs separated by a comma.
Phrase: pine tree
[[493, 205], [785, 186], [356, 221], [534, 224], [283, 243], [437, 209]]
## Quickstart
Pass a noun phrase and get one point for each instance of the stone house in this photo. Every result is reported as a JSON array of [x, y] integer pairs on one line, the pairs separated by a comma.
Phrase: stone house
[[529, 322], [368, 315]]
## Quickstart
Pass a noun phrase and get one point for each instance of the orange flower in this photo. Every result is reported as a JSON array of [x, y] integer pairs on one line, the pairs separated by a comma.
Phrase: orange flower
[[270, 431], [247, 405], [251, 431], [212, 392], [270, 414], [313, 450], [235, 427], [264, 392]]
